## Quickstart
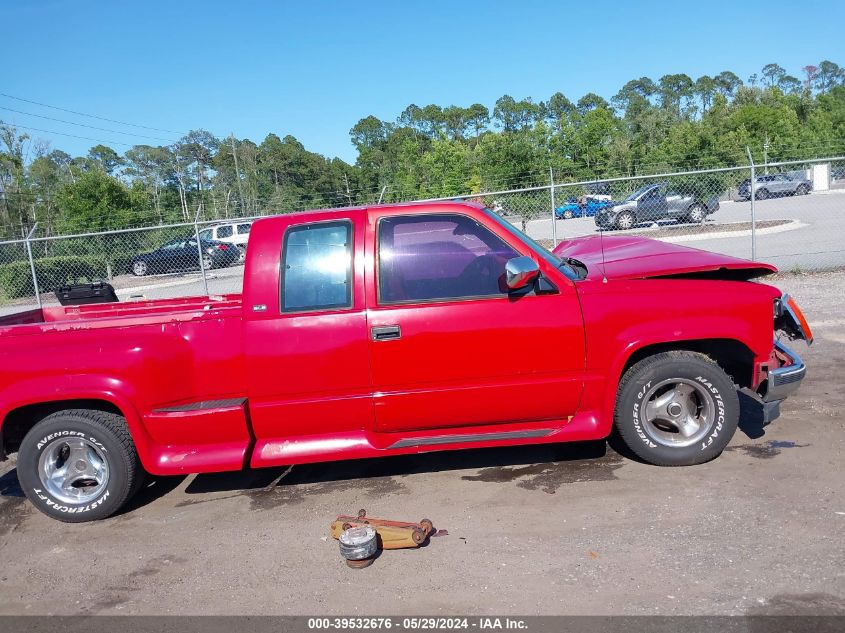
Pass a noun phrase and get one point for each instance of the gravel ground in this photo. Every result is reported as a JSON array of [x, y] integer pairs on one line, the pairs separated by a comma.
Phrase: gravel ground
[[570, 529]]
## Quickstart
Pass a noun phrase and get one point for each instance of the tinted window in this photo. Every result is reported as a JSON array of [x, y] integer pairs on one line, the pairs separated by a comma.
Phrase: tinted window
[[637, 193], [224, 231], [317, 267], [439, 257], [173, 244], [243, 229], [205, 235]]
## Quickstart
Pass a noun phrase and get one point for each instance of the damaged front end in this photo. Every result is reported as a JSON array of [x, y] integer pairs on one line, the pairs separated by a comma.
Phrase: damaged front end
[[783, 373]]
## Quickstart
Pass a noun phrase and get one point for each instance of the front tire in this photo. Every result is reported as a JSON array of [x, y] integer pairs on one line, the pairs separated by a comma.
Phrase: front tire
[[625, 220], [696, 214], [79, 465], [567, 215], [676, 409], [802, 190], [762, 194]]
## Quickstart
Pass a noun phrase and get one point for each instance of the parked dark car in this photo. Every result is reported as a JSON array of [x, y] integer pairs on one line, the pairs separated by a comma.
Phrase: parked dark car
[[182, 254], [771, 185], [656, 202]]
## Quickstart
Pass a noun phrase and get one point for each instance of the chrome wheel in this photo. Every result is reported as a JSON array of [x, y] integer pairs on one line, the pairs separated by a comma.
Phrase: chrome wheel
[[625, 221], [241, 254], [696, 214], [677, 412], [139, 268], [206, 262], [73, 470]]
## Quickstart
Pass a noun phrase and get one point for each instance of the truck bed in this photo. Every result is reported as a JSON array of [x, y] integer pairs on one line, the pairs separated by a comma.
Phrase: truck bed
[[100, 315]]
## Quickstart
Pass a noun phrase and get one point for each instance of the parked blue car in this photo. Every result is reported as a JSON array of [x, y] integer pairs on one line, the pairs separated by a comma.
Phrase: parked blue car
[[588, 208]]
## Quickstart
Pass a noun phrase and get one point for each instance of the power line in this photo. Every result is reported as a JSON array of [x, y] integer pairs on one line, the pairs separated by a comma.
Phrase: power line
[[91, 116], [92, 127], [86, 138]]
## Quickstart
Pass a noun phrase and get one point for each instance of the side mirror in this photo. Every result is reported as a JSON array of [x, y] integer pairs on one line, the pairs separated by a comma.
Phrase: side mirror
[[520, 271]]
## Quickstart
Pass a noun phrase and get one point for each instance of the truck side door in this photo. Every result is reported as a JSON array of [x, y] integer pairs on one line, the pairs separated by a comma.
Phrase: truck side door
[[305, 335], [449, 346]]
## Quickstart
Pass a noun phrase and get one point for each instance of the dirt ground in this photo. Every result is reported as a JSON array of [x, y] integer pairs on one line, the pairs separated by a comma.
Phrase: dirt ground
[[570, 529]]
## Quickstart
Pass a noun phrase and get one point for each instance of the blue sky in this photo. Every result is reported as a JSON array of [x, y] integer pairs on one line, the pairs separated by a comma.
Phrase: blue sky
[[313, 68]]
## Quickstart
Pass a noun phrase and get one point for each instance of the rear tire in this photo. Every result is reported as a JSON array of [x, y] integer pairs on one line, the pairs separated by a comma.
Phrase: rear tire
[[140, 268], [762, 194], [676, 409], [802, 190], [567, 215], [79, 465]]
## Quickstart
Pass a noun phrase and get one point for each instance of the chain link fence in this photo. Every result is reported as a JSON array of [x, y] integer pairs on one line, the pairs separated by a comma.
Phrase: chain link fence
[[792, 216]]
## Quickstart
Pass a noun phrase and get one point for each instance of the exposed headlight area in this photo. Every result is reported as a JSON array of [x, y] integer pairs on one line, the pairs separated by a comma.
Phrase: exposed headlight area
[[790, 319]]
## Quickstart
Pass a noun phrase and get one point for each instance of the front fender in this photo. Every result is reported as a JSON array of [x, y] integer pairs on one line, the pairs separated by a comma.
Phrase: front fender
[[625, 316]]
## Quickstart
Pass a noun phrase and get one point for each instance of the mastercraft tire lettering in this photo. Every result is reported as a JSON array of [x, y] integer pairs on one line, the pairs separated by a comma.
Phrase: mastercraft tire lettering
[[676, 409], [79, 465]]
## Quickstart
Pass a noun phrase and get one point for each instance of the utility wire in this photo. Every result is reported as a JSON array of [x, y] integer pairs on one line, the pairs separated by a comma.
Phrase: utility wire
[[86, 138], [90, 116], [92, 127]]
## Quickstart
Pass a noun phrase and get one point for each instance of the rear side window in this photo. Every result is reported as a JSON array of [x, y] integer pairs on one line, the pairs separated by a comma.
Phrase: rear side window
[[243, 229], [431, 257], [224, 231], [317, 267]]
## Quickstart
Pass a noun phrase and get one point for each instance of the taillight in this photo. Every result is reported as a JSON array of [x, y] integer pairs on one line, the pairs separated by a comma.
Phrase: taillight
[[222, 247], [792, 305]]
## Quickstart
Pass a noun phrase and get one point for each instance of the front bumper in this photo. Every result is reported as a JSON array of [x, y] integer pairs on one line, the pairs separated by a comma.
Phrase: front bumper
[[780, 383], [785, 380]]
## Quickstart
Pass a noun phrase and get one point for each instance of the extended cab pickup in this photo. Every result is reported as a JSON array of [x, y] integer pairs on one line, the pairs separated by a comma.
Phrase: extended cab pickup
[[387, 330]]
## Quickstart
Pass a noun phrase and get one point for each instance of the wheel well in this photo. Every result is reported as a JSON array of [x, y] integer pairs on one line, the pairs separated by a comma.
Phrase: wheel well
[[18, 422], [732, 356]]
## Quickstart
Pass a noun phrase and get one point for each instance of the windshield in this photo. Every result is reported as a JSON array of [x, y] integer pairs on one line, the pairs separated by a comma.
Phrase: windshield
[[638, 193], [543, 252]]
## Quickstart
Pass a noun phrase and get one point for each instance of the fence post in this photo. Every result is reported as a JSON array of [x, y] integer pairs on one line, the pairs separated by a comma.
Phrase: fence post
[[552, 193], [751, 185], [199, 250], [32, 265]]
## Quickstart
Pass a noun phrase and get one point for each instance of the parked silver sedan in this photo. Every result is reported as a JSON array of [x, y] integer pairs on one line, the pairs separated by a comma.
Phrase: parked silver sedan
[[772, 185], [654, 202]]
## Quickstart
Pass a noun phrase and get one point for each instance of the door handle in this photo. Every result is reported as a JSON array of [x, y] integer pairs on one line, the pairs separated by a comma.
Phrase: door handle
[[386, 332]]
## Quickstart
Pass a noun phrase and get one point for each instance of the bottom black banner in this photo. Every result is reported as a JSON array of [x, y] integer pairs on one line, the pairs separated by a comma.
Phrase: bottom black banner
[[534, 624]]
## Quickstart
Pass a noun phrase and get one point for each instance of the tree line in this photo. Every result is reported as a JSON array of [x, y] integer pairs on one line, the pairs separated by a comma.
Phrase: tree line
[[672, 123]]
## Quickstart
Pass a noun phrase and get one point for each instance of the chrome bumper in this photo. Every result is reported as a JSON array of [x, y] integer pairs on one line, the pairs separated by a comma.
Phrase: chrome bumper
[[784, 380]]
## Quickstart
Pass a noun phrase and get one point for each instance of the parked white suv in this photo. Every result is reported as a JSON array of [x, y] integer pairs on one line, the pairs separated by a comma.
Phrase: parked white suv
[[235, 233]]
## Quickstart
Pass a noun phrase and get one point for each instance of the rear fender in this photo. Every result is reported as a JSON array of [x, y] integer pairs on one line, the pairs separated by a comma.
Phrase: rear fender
[[49, 389]]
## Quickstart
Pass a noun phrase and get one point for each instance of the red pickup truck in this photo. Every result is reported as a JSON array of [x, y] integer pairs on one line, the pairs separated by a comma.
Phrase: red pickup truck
[[387, 330]]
